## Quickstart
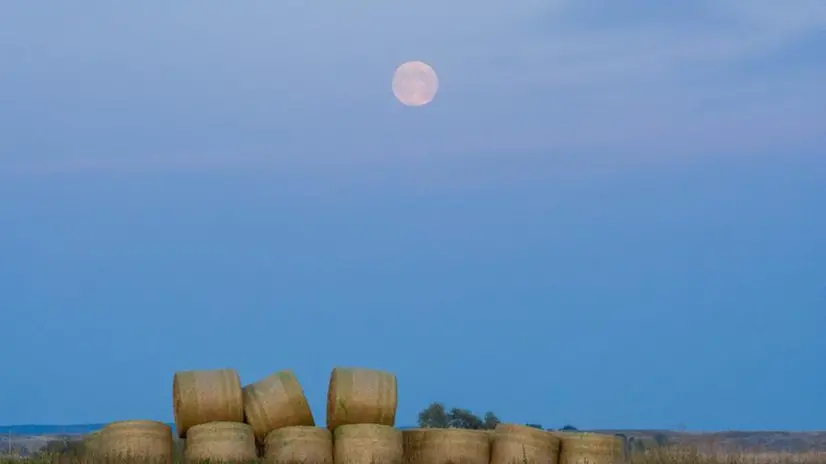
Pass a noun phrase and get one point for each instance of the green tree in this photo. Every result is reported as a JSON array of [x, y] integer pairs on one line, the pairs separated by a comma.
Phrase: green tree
[[536, 426], [464, 419], [491, 421], [569, 428], [434, 417]]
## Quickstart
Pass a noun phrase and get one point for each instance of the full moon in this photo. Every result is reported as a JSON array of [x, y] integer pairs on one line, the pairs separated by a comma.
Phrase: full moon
[[415, 83]]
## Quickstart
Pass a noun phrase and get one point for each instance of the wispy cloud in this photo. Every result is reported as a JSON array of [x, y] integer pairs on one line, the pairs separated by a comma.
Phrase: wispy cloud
[[636, 76], [721, 76], [721, 33]]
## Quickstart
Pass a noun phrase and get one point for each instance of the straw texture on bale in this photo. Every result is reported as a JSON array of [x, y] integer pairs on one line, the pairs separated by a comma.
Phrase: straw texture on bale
[[361, 396], [590, 448], [139, 439], [274, 402], [220, 441], [367, 444], [200, 397], [446, 446], [520, 443], [299, 444]]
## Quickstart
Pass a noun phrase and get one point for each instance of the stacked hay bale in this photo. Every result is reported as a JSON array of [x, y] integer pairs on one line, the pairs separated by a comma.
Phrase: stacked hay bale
[[446, 446], [274, 402], [280, 416], [361, 413], [589, 448], [209, 413], [143, 440], [524, 444]]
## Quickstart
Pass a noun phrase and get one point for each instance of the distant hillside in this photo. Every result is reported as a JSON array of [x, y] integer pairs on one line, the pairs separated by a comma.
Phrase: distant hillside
[[730, 440], [39, 430]]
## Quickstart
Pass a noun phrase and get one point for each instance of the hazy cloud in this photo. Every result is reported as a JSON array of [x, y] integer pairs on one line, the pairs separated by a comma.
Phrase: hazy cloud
[[640, 76]]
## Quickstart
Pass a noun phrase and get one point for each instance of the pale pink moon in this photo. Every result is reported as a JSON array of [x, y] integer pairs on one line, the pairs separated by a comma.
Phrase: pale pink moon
[[415, 83]]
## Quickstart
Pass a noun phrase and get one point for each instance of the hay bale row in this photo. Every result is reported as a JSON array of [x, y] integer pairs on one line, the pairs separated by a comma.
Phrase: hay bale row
[[223, 421], [508, 444], [347, 444], [357, 444]]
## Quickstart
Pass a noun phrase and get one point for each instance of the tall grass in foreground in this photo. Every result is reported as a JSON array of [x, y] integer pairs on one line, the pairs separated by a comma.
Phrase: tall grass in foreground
[[665, 455], [690, 455]]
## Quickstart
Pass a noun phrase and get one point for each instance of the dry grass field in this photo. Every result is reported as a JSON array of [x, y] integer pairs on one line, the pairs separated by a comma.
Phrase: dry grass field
[[664, 455], [690, 455]]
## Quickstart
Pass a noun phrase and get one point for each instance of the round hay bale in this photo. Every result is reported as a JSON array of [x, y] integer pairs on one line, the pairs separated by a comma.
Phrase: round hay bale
[[361, 396], [135, 439], [446, 446], [523, 444], [220, 441], [200, 397], [274, 402], [299, 444], [367, 444], [590, 448]]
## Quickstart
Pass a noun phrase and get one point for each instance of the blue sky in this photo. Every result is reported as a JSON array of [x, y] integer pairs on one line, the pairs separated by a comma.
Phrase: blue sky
[[611, 215]]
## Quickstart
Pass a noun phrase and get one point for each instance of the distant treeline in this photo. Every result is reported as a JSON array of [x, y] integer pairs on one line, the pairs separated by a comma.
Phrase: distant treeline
[[438, 416]]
